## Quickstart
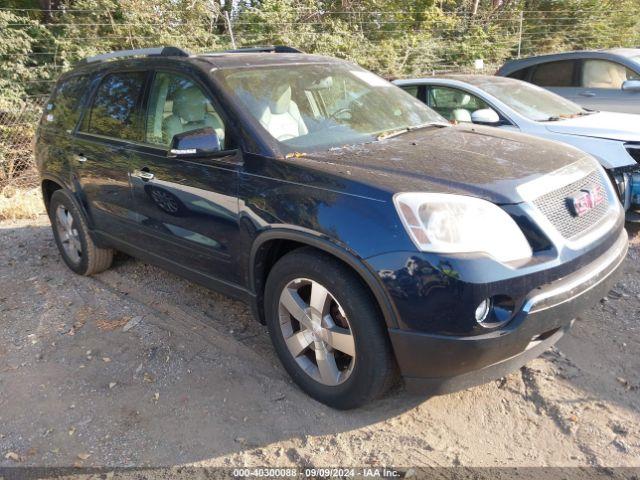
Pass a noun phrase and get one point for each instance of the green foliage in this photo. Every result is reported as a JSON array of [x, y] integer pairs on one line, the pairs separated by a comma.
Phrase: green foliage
[[394, 38]]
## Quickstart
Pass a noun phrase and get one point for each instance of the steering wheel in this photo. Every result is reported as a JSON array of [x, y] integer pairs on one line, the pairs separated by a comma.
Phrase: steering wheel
[[335, 115]]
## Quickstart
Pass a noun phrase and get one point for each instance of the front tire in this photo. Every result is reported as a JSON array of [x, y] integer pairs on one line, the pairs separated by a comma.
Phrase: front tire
[[72, 236], [327, 330]]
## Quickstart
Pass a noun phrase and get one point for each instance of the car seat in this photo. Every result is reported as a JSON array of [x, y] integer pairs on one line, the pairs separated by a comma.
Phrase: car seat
[[281, 117], [603, 74], [190, 113]]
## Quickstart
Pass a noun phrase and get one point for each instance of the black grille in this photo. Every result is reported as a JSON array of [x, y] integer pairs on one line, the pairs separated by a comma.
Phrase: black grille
[[634, 152], [556, 207]]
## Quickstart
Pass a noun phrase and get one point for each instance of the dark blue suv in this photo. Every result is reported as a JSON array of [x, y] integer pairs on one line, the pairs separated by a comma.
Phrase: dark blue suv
[[372, 237]]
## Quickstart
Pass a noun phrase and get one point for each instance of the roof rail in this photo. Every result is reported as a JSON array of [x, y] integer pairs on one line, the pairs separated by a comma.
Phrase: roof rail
[[266, 49], [145, 52]]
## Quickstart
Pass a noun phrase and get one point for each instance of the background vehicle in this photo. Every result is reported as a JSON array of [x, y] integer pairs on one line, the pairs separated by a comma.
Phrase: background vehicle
[[612, 138], [598, 79], [368, 233]]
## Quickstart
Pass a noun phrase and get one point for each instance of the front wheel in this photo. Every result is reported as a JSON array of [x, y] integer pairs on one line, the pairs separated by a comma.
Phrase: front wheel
[[72, 236], [327, 330]]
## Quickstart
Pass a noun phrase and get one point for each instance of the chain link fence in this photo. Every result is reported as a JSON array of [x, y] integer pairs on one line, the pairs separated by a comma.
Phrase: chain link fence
[[17, 129]]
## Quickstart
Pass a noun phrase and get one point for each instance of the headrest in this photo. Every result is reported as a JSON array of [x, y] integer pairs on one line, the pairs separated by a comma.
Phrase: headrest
[[190, 104], [280, 99]]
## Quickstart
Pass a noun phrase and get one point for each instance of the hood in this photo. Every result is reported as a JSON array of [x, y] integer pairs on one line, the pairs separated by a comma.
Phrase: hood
[[483, 162], [612, 126]]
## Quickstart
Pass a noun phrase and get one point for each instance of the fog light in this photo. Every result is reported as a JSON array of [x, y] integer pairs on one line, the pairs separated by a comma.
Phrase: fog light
[[482, 310]]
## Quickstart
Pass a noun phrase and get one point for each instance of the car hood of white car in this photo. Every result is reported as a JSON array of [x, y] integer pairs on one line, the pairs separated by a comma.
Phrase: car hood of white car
[[624, 127]]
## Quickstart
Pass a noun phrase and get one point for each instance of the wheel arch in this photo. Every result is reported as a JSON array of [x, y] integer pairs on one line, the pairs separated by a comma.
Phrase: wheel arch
[[48, 186], [273, 244]]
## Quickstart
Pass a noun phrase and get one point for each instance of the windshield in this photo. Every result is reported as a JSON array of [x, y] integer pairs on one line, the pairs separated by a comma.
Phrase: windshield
[[533, 102], [325, 105]]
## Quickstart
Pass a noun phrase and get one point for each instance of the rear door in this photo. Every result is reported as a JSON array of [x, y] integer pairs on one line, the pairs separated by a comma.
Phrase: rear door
[[102, 148], [601, 86], [187, 209], [61, 114]]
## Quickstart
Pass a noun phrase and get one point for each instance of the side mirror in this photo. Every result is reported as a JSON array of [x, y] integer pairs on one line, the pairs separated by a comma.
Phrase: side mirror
[[631, 85], [195, 143], [485, 116]]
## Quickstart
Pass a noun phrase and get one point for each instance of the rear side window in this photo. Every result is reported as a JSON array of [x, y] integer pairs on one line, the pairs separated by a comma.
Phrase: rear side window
[[519, 74], [412, 90], [554, 74], [63, 110], [115, 108]]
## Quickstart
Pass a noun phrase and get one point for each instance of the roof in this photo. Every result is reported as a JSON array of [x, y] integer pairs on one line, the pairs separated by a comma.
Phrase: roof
[[476, 80], [611, 52], [205, 61]]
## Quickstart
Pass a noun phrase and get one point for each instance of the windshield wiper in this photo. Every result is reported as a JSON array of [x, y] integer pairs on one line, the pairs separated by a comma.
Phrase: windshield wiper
[[391, 133], [394, 133]]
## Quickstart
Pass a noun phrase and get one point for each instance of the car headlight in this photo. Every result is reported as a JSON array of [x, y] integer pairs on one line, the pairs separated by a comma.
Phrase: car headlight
[[446, 223]]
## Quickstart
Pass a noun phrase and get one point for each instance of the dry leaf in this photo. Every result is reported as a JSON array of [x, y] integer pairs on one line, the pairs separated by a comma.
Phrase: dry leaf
[[156, 396], [107, 325], [148, 377], [83, 456], [72, 430], [112, 384], [106, 359], [13, 456]]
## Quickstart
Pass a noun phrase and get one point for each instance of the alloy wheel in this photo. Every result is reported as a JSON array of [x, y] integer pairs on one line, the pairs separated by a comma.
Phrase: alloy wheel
[[68, 234], [317, 331]]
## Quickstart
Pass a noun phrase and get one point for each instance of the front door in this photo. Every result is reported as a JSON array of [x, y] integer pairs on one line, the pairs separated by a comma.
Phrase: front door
[[187, 209], [102, 149], [601, 87]]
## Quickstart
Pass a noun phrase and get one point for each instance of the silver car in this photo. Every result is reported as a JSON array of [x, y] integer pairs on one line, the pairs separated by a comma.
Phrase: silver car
[[597, 80], [612, 138]]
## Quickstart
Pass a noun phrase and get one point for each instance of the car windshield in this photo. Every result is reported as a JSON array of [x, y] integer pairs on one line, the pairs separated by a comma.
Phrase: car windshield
[[316, 106], [533, 102]]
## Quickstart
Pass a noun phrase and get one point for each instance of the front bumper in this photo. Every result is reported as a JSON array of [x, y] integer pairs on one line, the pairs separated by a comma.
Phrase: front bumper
[[438, 364]]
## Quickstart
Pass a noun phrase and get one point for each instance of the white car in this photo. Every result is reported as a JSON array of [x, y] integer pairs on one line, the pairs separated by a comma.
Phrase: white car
[[612, 138]]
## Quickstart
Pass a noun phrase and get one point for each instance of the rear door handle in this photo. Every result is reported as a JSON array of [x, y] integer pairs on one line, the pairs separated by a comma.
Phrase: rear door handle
[[587, 94], [142, 174]]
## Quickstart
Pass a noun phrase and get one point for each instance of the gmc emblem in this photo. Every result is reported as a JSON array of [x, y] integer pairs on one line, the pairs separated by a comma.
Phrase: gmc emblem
[[586, 199]]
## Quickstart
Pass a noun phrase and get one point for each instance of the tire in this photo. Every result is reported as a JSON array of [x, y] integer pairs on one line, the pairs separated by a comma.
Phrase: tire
[[350, 306], [77, 248]]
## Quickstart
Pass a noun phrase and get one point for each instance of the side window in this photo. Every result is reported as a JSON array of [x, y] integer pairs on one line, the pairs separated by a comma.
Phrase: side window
[[605, 74], [176, 105], [63, 110], [554, 74], [454, 104], [519, 74], [114, 112], [411, 89]]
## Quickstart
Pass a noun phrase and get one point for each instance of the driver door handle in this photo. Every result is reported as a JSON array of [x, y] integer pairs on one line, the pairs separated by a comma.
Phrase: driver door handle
[[142, 174], [587, 94]]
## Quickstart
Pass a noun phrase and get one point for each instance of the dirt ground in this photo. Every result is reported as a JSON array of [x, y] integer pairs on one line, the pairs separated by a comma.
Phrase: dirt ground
[[138, 367]]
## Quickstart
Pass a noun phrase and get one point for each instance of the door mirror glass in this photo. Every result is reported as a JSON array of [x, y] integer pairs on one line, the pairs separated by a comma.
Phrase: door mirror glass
[[485, 116], [195, 143], [631, 85]]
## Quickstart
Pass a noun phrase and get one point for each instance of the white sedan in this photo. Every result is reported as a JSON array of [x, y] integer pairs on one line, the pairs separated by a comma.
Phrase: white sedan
[[612, 138]]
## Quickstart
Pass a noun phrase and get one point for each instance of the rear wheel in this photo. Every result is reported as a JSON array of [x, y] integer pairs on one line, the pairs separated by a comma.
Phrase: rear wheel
[[71, 234], [327, 331]]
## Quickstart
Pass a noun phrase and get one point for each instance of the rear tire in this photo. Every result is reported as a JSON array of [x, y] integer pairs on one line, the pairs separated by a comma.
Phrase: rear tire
[[339, 353], [71, 234]]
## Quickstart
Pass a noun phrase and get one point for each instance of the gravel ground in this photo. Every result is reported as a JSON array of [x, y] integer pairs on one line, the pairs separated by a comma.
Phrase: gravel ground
[[138, 367]]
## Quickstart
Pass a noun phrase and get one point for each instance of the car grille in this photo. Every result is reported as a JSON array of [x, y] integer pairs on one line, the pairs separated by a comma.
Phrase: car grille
[[555, 206]]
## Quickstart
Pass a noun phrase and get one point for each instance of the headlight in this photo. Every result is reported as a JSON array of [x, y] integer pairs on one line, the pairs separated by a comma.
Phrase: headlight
[[446, 223]]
